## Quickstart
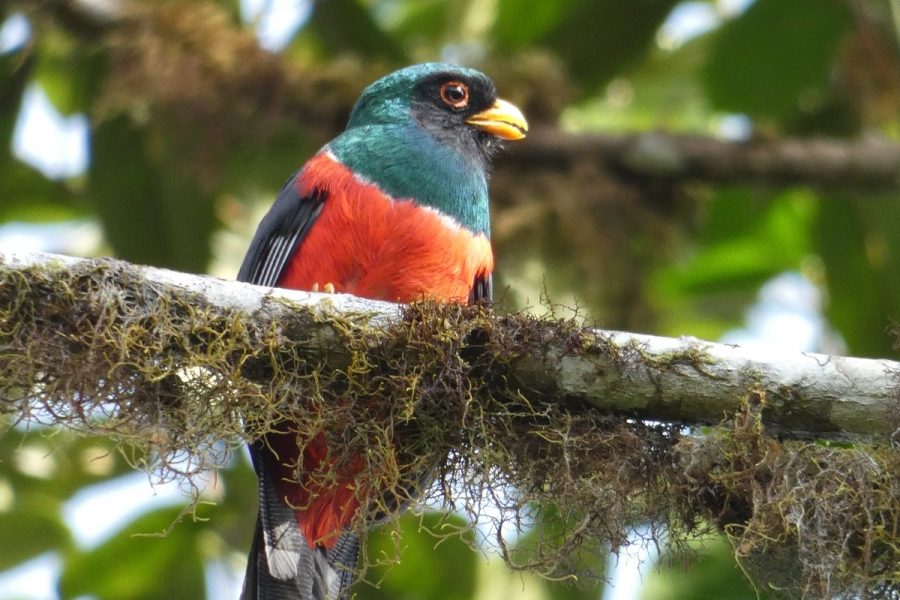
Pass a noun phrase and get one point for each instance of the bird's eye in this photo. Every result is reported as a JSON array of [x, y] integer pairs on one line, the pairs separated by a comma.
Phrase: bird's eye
[[455, 94]]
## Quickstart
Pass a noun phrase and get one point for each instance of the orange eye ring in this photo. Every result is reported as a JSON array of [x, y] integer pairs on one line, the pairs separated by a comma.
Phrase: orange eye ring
[[455, 94]]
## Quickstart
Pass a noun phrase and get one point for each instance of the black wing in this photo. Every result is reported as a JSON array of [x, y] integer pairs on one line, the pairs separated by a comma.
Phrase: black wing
[[280, 233]]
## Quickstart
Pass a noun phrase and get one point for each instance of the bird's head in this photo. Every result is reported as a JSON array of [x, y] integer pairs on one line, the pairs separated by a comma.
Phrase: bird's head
[[457, 106], [427, 133]]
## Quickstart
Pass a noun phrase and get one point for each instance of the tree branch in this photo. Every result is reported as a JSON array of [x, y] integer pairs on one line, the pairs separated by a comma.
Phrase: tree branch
[[870, 163], [684, 380], [171, 364]]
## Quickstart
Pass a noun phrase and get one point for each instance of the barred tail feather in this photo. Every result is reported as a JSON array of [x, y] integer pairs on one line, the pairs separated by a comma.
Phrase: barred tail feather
[[341, 560], [282, 565], [322, 574]]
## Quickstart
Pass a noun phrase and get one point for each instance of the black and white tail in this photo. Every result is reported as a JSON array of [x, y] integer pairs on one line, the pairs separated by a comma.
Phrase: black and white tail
[[282, 566]]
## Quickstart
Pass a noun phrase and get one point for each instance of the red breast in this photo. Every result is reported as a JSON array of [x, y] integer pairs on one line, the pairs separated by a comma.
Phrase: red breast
[[368, 244]]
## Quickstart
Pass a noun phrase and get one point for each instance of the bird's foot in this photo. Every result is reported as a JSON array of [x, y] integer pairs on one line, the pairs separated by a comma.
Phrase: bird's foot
[[328, 288]]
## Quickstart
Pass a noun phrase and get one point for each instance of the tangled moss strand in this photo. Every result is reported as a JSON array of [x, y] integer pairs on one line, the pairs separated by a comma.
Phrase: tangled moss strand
[[428, 407]]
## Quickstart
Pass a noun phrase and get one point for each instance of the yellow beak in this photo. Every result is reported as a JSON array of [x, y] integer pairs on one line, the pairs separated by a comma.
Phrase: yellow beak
[[503, 120]]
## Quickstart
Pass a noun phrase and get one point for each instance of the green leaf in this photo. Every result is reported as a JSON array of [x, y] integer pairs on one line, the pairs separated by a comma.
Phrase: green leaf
[[69, 72], [598, 40], [28, 195], [776, 57], [32, 527], [26, 192], [714, 574], [418, 23], [663, 92], [15, 72], [151, 212], [346, 26], [137, 564], [430, 567], [744, 241], [252, 166], [858, 240], [521, 23], [125, 192]]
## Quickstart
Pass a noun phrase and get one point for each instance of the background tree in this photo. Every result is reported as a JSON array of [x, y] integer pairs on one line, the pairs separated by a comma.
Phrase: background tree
[[683, 154]]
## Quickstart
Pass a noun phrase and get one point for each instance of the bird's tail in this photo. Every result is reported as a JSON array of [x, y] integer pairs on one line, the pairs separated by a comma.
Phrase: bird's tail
[[282, 565], [299, 573]]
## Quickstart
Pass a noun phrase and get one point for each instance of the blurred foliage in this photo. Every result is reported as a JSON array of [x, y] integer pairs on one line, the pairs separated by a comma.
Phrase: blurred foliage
[[713, 575], [192, 124], [404, 581], [776, 33], [138, 559]]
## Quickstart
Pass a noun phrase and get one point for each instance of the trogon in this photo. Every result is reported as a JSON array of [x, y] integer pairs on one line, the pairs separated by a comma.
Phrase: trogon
[[394, 208]]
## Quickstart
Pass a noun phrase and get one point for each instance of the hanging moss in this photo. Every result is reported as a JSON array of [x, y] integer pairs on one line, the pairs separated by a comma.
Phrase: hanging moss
[[424, 406]]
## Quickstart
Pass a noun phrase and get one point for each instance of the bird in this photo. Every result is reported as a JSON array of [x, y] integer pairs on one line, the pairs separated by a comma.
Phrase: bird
[[394, 208]]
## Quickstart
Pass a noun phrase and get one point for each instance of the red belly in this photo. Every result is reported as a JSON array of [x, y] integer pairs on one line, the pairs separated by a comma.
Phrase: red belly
[[323, 505], [369, 245]]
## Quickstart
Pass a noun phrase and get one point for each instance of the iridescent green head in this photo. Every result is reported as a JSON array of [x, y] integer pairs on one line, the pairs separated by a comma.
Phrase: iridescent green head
[[427, 132]]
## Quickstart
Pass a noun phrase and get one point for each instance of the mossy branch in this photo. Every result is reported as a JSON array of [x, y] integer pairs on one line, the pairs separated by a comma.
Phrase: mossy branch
[[685, 379], [586, 421]]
